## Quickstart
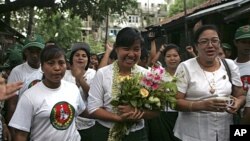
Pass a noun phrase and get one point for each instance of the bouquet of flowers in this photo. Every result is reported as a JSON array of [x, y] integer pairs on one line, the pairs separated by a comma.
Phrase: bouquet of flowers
[[154, 90]]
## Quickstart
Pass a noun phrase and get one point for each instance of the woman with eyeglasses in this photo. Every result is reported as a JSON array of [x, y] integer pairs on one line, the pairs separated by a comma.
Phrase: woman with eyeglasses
[[201, 80]]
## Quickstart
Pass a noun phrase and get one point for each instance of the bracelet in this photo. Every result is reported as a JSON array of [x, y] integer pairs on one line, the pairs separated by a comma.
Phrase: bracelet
[[190, 106]]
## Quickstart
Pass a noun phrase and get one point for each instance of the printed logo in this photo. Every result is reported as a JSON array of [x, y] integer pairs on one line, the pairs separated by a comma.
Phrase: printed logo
[[246, 81], [34, 82], [62, 115]]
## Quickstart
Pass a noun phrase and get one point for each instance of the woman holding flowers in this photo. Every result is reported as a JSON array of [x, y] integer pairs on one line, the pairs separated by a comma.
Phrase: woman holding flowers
[[202, 116], [105, 88]]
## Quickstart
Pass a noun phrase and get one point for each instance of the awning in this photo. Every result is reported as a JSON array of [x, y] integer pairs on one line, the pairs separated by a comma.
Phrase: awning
[[222, 7], [238, 13]]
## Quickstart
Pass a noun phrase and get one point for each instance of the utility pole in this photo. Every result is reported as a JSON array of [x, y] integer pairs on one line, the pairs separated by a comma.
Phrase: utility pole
[[185, 22], [107, 26]]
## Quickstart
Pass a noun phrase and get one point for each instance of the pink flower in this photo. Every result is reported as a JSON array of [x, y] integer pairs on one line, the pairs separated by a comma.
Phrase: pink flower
[[157, 78], [155, 86]]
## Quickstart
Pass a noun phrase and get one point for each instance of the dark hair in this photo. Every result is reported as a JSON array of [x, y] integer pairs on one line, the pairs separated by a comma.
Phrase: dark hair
[[203, 28], [168, 47], [80, 46], [113, 55], [94, 54], [144, 54], [127, 36], [51, 52]]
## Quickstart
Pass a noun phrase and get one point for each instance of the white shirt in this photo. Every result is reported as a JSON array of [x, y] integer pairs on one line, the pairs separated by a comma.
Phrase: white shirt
[[21, 73], [82, 123], [49, 114], [33, 79], [245, 78], [193, 81], [100, 94]]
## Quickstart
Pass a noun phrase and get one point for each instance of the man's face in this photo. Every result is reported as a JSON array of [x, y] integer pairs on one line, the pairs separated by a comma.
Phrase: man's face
[[33, 56], [243, 46]]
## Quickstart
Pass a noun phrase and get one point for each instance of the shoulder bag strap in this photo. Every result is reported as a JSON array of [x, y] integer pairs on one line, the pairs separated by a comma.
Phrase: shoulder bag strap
[[227, 69]]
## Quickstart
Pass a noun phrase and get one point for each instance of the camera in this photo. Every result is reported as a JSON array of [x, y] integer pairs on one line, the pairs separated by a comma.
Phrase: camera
[[155, 32]]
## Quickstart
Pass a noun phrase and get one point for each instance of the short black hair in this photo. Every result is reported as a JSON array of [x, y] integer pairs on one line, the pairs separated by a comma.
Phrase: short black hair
[[127, 36], [200, 30], [170, 46], [48, 53]]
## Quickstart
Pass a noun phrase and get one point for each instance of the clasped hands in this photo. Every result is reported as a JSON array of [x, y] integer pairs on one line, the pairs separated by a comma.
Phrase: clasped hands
[[220, 105], [129, 113]]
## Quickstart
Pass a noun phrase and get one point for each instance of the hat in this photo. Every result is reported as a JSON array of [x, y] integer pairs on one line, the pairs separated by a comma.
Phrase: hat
[[242, 32], [226, 46], [34, 41], [80, 45]]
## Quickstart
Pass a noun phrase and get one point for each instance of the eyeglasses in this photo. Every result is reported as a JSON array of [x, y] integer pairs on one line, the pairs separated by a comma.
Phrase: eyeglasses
[[205, 42]]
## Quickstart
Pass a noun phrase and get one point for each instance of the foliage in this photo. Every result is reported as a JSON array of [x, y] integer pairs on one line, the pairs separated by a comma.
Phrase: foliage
[[59, 28], [178, 6], [98, 9], [153, 91], [96, 46]]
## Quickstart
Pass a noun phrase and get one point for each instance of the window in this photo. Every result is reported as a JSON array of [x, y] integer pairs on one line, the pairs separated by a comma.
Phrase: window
[[152, 5]]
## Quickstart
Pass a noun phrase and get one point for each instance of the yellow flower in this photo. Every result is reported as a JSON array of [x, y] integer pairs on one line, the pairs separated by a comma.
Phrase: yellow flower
[[122, 78], [144, 92]]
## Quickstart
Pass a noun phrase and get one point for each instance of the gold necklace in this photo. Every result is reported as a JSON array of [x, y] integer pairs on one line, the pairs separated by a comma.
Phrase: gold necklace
[[211, 84]]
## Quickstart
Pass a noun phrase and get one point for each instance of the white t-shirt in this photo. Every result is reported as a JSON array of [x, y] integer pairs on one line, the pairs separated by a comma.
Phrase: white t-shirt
[[21, 73], [82, 123], [204, 125], [33, 79], [49, 114], [100, 94], [245, 78]]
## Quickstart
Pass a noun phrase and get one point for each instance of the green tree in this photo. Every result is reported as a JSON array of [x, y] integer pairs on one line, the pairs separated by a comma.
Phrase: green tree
[[178, 6], [59, 27]]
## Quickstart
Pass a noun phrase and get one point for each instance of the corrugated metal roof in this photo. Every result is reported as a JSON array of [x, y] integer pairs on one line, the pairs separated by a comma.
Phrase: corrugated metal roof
[[205, 5], [218, 8]]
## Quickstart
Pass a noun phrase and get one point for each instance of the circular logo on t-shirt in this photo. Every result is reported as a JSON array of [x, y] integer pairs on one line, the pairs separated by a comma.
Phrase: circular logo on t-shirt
[[34, 82], [246, 82], [62, 115]]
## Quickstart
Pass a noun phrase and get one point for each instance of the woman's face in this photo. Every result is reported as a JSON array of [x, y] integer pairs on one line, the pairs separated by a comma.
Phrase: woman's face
[[129, 56], [94, 60], [80, 58], [54, 71], [208, 45], [172, 58]]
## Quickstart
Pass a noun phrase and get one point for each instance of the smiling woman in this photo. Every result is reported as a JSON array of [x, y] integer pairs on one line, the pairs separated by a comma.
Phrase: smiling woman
[[104, 88], [205, 76]]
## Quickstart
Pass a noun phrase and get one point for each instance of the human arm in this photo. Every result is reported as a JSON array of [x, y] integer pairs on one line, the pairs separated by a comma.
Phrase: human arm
[[8, 90], [190, 51], [157, 56], [21, 135], [212, 104], [6, 133], [239, 99], [105, 58], [81, 81]]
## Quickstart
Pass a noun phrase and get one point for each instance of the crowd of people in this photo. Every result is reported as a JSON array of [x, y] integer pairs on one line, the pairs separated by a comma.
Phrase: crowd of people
[[54, 95]]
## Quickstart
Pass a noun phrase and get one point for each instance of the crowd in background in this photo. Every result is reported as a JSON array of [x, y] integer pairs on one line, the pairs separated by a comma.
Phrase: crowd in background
[[53, 95]]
